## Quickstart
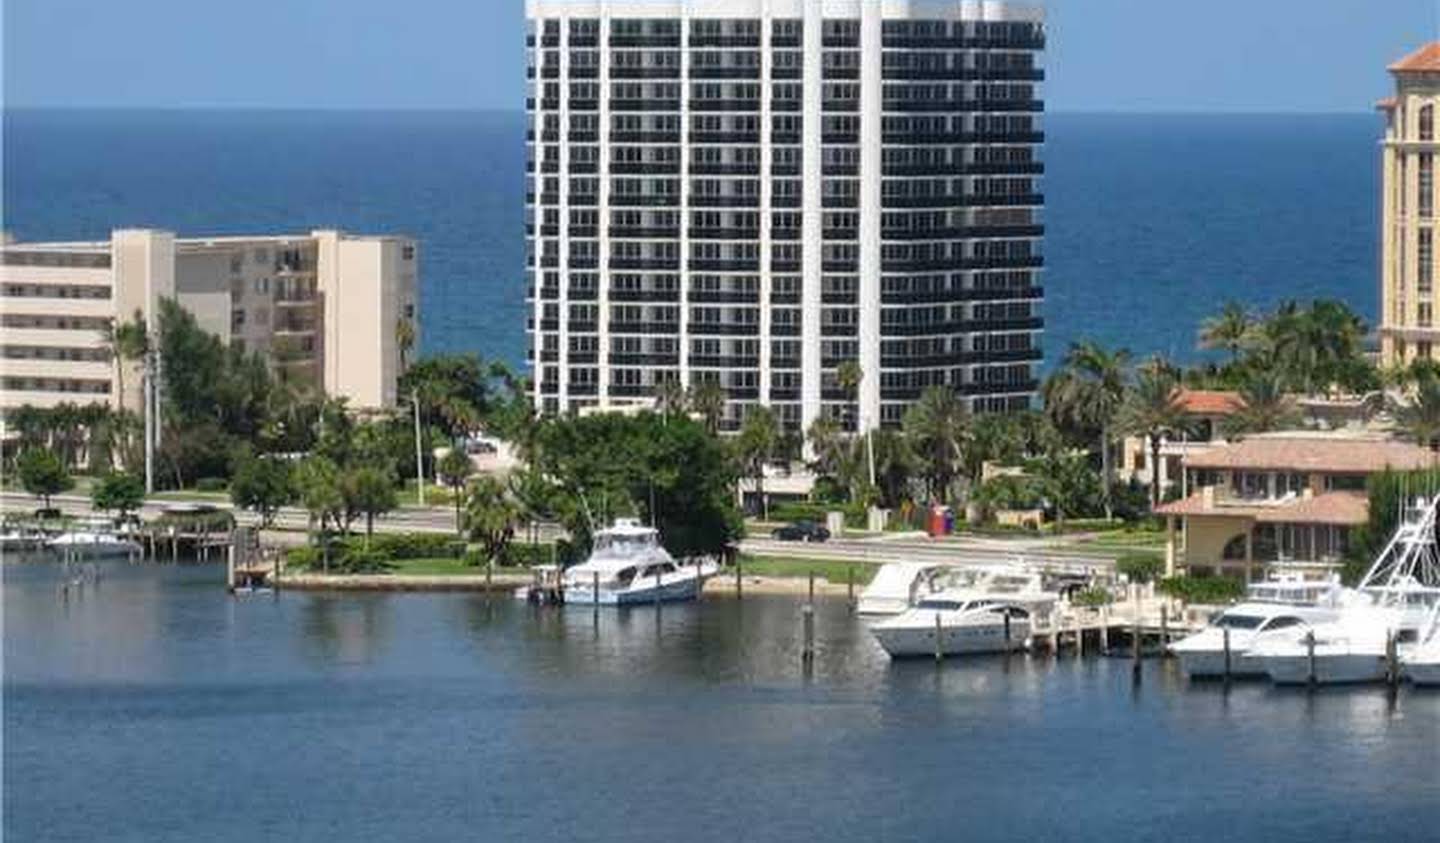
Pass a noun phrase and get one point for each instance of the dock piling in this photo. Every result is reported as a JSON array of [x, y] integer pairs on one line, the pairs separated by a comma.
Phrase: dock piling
[[850, 586], [807, 653], [1225, 638], [737, 576], [939, 643], [1392, 660], [1136, 642], [595, 595], [1164, 629], [1310, 657]]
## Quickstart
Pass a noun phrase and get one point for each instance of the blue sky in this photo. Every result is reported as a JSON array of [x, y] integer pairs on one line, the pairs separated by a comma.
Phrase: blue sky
[[1106, 55]]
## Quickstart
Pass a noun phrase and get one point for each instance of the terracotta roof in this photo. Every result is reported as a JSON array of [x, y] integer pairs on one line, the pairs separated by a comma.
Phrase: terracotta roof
[[1387, 104], [1299, 452], [1345, 508], [1207, 402], [1426, 59]]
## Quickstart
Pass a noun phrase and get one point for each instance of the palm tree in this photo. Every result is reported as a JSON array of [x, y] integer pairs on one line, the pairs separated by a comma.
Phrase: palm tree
[[670, 397], [492, 516], [1418, 414], [1087, 394], [1264, 407], [848, 376], [708, 399], [125, 342], [404, 339], [1231, 330], [760, 436], [828, 444], [1154, 410], [936, 426]]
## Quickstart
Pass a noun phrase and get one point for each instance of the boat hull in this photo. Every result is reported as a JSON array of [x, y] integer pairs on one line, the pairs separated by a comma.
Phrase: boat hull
[[674, 591], [1332, 668], [971, 639], [1210, 664], [1424, 672]]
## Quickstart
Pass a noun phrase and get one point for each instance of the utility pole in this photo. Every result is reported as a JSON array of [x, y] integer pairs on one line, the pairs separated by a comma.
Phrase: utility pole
[[419, 460], [148, 400]]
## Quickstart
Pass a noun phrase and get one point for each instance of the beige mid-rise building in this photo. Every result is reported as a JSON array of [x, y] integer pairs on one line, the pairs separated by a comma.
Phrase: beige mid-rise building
[[326, 308], [1408, 328]]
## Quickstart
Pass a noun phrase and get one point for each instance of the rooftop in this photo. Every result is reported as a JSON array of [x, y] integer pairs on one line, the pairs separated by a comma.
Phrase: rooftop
[[1424, 60], [1315, 451], [1209, 402]]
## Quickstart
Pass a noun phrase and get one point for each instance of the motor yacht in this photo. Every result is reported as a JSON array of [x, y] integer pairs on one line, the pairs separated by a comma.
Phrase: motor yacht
[[628, 565], [994, 614], [1270, 608], [95, 538], [1422, 664], [1377, 625], [899, 586]]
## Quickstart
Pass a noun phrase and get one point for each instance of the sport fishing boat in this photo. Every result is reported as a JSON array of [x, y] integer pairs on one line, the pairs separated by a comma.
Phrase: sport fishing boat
[[1378, 624], [1422, 664], [993, 614], [1269, 608], [628, 566]]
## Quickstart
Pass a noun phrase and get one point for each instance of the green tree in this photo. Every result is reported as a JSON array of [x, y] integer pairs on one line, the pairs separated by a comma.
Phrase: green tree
[[708, 399], [936, 427], [1140, 568], [1264, 407], [1231, 330], [454, 469], [756, 446], [454, 392], [670, 397], [262, 485], [318, 484], [492, 516], [848, 376], [369, 492], [1154, 410], [1417, 414], [125, 342], [43, 474], [120, 491], [1086, 395]]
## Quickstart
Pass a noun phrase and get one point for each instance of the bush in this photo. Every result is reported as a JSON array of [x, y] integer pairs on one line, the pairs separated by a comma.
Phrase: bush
[[411, 545], [1140, 567], [1206, 590], [304, 558], [212, 484], [855, 515], [360, 560], [1092, 598], [528, 555]]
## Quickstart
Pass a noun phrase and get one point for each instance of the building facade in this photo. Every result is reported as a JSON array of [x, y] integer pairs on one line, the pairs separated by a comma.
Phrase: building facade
[[1278, 503], [754, 192], [326, 308], [1408, 327]]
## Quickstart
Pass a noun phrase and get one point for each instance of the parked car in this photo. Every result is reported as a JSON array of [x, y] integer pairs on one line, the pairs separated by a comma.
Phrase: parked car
[[800, 531]]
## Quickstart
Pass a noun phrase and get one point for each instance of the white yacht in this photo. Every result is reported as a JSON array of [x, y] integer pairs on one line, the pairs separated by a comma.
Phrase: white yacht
[[94, 538], [628, 565], [900, 585], [1387, 610], [1269, 609], [994, 614], [1422, 664]]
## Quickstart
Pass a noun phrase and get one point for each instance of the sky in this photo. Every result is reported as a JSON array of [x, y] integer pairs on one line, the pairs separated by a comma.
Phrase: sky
[[1104, 55]]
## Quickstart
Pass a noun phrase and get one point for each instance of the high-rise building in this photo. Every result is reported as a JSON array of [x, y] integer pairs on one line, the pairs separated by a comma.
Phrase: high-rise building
[[326, 308], [1408, 329], [755, 192]]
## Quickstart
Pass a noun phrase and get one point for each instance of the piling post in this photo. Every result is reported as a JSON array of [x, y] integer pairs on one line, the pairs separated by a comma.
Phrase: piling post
[[1105, 631], [850, 586], [737, 576], [939, 643], [1310, 657], [807, 653], [812, 589], [595, 594], [1392, 660], [1007, 630], [230, 569], [1225, 638], [657, 587], [1136, 640], [1164, 629], [489, 575]]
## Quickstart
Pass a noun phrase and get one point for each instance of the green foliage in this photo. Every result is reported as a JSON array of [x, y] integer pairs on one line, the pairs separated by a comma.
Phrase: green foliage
[[492, 515], [1203, 590], [212, 484], [454, 390], [454, 469], [43, 474], [1092, 598], [119, 491], [855, 513], [1011, 492], [369, 493], [262, 485], [668, 470], [1388, 493], [360, 560], [1140, 568], [935, 427]]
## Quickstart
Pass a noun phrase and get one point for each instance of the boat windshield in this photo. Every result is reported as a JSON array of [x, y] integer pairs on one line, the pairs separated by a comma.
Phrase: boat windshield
[[941, 605], [624, 544], [1232, 621]]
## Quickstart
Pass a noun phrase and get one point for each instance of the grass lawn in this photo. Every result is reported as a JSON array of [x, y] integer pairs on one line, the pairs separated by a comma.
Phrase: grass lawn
[[191, 495], [833, 570]]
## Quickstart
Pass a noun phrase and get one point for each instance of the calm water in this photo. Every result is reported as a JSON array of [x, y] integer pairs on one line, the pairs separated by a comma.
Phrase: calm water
[[158, 709], [1153, 221]]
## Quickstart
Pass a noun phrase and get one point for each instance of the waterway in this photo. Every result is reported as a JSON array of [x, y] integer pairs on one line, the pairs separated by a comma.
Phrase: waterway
[[153, 707]]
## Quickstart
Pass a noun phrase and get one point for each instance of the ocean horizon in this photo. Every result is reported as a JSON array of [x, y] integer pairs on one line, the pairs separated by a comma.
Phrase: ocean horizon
[[1153, 219]]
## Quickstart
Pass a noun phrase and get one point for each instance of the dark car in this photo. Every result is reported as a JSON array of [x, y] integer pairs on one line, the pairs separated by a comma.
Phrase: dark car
[[801, 531]]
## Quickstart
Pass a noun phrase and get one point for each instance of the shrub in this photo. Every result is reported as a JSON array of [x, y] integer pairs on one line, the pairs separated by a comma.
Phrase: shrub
[[411, 545], [360, 560], [1092, 598], [304, 558], [1140, 567], [212, 484], [1206, 590]]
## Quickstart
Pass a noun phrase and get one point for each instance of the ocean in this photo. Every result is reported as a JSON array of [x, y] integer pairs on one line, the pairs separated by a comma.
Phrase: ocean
[[1153, 221]]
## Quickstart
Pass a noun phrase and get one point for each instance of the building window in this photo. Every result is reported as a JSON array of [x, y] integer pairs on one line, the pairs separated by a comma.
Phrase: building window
[[1425, 260], [1427, 123], [1423, 314], [1427, 185]]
